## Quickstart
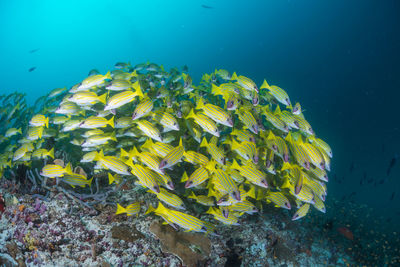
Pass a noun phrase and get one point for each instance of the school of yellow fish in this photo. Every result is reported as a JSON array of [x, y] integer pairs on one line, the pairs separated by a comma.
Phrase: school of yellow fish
[[226, 144]]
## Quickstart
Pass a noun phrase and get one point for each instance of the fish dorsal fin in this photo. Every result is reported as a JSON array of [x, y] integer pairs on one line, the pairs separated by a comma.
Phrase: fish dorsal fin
[[234, 76], [204, 142], [289, 138], [277, 110], [264, 85], [271, 136]]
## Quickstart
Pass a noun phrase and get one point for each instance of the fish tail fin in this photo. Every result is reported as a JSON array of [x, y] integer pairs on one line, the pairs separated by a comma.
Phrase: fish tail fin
[[99, 155], [234, 144], [265, 85], [289, 138], [211, 166], [148, 144], [216, 90], [113, 137], [210, 210], [90, 181], [111, 122], [192, 195], [51, 153], [161, 209], [19, 130], [138, 89], [68, 168], [252, 192], [180, 142], [9, 163], [123, 153], [111, 178], [134, 152], [107, 76], [129, 162], [102, 98], [150, 209], [286, 166], [120, 209], [46, 122], [204, 143], [234, 76]]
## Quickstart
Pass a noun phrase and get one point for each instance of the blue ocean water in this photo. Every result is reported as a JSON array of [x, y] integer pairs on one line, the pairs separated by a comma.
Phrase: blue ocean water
[[339, 59]]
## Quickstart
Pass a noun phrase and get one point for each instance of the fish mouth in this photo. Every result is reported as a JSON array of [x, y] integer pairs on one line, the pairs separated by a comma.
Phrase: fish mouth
[[162, 165], [322, 164], [255, 159], [225, 213], [268, 163], [255, 129], [188, 184], [156, 189], [307, 165], [255, 101], [264, 183], [286, 157], [236, 195], [171, 185], [288, 206]]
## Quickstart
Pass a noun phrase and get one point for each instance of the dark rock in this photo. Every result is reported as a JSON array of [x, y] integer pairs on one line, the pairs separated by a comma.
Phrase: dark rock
[[230, 243], [233, 260], [12, 249], [238, 241]]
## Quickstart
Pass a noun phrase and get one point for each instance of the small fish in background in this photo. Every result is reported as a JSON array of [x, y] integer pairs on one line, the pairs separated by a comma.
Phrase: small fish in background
[[2, 204], [32, 69], [352, 194], [364, 178], [93, 72], [392, 196], [346, 233], [381, 181], [34, 50], [206, 7], [391, 164], [351, 167]]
